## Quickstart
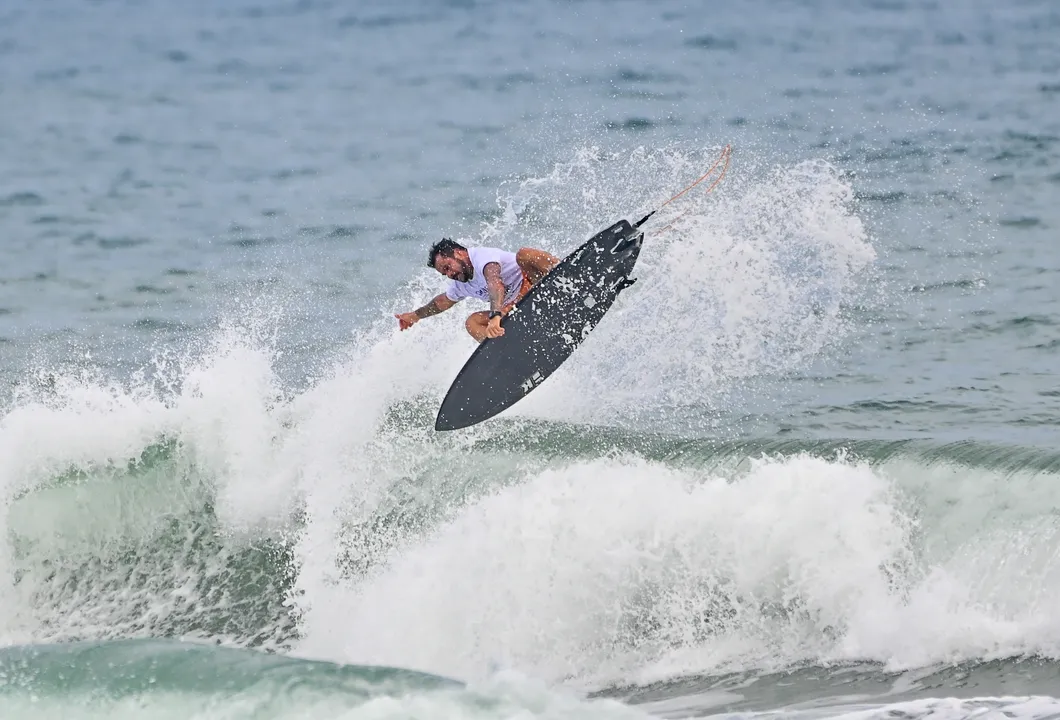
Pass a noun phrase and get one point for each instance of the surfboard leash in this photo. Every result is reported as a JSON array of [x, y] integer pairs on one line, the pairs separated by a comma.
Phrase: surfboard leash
[[726, 154]]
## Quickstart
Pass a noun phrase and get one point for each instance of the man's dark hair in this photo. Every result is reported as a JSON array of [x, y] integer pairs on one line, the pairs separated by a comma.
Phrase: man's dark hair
[[446, 247]]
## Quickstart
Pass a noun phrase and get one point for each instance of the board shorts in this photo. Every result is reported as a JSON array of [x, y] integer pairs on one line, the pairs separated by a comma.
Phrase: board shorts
[[524, 288]]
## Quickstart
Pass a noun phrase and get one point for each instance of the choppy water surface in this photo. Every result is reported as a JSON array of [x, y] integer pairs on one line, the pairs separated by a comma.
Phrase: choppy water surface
[[807, 465]]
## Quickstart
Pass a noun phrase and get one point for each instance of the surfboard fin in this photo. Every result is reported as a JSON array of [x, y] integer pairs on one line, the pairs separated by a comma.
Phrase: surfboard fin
[[641, 221]]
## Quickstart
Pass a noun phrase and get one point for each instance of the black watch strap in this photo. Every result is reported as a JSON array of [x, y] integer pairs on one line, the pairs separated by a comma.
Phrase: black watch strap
[[495, 313]]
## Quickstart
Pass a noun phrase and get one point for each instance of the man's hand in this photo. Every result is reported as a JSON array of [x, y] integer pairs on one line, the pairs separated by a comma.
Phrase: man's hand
[[435, 306], [493, 328], [407, 320]]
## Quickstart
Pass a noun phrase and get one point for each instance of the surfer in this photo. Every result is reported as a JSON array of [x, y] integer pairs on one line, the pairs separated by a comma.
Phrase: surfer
[[497, 276]]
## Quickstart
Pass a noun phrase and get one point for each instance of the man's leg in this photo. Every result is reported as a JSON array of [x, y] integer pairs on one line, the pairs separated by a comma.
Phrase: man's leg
[[535, 264], [476, 324]]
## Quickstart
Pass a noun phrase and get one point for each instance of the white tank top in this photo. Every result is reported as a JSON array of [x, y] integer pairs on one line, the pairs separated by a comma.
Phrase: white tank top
[[511, 275]]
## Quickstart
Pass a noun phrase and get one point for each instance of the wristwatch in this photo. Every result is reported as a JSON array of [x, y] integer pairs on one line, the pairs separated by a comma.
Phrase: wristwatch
[[495, 313]]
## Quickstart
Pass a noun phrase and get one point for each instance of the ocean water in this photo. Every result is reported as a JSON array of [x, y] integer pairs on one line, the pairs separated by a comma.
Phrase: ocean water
[[807, 467]]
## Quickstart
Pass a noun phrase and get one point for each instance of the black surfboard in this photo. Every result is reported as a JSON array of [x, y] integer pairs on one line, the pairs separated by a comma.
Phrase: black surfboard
[[544, 328]]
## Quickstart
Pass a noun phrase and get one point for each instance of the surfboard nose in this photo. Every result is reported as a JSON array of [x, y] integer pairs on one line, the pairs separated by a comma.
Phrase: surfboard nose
[[443, 423]]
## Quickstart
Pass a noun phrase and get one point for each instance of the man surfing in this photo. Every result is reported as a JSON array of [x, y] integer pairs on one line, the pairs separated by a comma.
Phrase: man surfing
[[500, 277]]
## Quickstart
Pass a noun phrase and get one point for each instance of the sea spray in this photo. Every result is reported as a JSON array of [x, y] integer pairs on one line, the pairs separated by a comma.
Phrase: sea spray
[[748, 280]]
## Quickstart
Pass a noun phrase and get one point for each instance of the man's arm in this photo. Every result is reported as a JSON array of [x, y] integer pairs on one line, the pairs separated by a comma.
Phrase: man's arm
[[494, 284], [441, 303]]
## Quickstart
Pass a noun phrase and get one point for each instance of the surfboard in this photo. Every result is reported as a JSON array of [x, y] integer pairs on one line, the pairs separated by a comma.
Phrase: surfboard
[[544, 328]]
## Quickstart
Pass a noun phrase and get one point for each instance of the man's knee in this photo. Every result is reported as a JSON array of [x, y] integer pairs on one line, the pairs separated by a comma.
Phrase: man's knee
[[535, 264], [476, 325], [475, 321], [524, 260]]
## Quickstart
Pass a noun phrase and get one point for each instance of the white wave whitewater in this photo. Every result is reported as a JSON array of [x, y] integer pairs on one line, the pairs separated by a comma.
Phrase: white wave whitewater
[[626, 571]]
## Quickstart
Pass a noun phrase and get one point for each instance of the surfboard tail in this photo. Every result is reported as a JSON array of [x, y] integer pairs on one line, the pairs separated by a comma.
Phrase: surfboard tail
[[643, 219]]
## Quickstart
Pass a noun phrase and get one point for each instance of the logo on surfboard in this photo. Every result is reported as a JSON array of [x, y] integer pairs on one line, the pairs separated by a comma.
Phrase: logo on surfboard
[[532, 382]]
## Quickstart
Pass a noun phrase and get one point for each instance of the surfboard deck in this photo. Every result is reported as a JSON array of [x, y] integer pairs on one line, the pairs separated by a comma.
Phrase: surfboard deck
[[544, 328]]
